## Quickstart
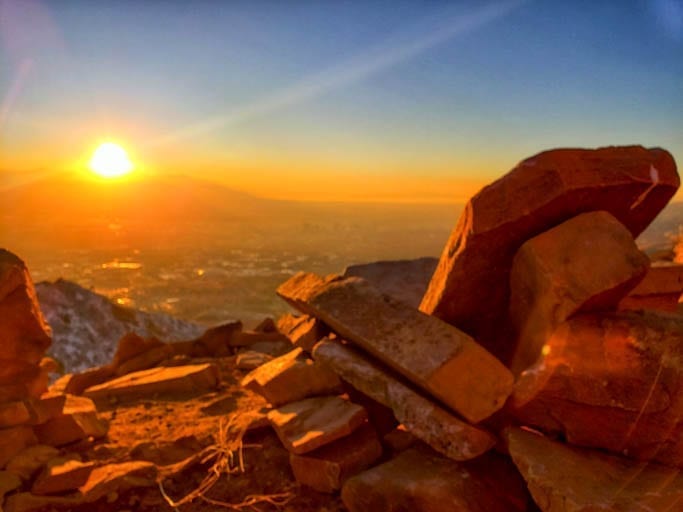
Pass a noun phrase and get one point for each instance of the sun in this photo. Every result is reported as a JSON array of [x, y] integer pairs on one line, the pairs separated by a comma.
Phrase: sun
[[110, 161]]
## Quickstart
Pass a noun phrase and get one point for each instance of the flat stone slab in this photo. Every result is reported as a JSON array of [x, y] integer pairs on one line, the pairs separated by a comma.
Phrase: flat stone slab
[[290, 378], [435, 356], [612, 381], [404, 280], [314, 422], [428, 421], [327, 468], [60, 476], [470, 287], [421, 481], [589, 262], [566, 479], [196, 378]]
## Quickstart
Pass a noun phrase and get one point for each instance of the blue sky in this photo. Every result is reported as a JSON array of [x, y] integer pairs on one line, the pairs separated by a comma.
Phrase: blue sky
[[421, 92]]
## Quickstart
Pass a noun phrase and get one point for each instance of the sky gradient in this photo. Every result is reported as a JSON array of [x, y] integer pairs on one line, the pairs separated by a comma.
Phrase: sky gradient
[[392, 101]]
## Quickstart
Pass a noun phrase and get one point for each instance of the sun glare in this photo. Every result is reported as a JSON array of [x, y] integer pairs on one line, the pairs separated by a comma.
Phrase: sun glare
[[110, 161]]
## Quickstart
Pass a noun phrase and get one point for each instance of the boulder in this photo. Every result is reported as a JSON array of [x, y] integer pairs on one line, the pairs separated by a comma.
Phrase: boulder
[[62, 475], [14, 413], [611, 381], [589, 262], [145, 360], [470, 287], [71, 427], [327, 468], [24, 334], [290, 378], [9, 481], [404, 280], [251, 360], [266, 325], [76, 383], [132, 345], [216, 341], [567, 479], [307, 332], [428, 421], [29, 461], [50, 405], [661, 289], [435, 356], [421, 481], [314, 422], [14, 440], [248, 338], [196, 378]]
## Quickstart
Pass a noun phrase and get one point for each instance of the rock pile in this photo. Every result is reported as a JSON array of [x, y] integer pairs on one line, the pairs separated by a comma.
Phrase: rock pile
[[529, 322]]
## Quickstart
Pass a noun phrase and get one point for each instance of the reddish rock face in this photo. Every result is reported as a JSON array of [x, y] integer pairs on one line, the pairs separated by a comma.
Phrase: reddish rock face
[[611, 381], [470, 287], [566, 479], [421, 481], [24, 334], [435, 356], [589, 262], [660, 289]]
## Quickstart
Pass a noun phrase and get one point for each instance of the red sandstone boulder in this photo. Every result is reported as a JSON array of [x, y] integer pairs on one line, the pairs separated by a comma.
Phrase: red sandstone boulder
[[611, 381], [470, 287]]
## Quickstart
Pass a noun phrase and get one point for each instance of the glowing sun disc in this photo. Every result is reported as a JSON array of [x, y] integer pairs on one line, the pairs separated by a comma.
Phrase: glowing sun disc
[[110, 161]]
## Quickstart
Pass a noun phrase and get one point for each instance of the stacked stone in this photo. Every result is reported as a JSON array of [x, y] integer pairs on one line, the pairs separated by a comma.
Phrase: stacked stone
[[525, 323]]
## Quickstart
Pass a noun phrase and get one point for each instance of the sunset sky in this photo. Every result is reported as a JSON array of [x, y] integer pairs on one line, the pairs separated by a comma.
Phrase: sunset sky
[[347, 100]]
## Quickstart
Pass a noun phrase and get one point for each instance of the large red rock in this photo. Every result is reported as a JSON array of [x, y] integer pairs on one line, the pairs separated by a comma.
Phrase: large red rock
[[24, 334], [661, 289], [589, 262], [435, 356], [14, 440], [562, 478], [428, 421], [611, 381], [470, 287], [421, 481]]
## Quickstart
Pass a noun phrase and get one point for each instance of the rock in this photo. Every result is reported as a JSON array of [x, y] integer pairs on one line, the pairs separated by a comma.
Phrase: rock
[[587, 263], [76, 383], [314, 422], [429, 422], [216, 341], [9, 481], [421, 481], [103, 481], [287, 322], [661, 289], [60, 476], [24, 334], [27, 462], [130, 346], [47, 407], [248, 338], [271, 348], [50, 365], [399, 440], [266, 325], [566, 479], [327, 468], [251, 360], [71, 427], [380, 416], [146, 360], [611, 381], [290, 378], [434, 355], [31, 387], [13, 440], [404, 280], [14, 413], [196, 378], [470, 288], [307, 332], [13, 370]]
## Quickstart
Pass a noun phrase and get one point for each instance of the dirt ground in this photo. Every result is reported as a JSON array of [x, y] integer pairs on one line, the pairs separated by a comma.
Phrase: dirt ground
[[170, 429]]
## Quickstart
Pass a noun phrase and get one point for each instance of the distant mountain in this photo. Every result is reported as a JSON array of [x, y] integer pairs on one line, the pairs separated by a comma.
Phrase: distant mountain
[[86, 326]]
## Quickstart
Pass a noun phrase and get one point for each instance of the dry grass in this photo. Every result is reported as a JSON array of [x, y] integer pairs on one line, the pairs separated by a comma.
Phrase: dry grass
[[227, 454]]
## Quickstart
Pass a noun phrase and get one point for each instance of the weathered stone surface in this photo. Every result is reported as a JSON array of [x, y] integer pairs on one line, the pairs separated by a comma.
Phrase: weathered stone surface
[[145, 360], [14, 413], [470, 288], [71, 427], [13, 370], [47, 407], [399, 440], [307, 332], [177, 379], [27, 462], [266, 325], [112, 478], [566, 479], [271, 348], [13, 440], [380, 416], [429, 422], [613, 381], [589, 262], [327, 468], [62, 475], [216, 340], [251, 360], [434, 355], [290, 378], [661, 289], [24, 334], [247, 338], [33, 387], [421, 481], [9, 481], [314, 422], [76, 383], [132, 345], [404, 280]]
